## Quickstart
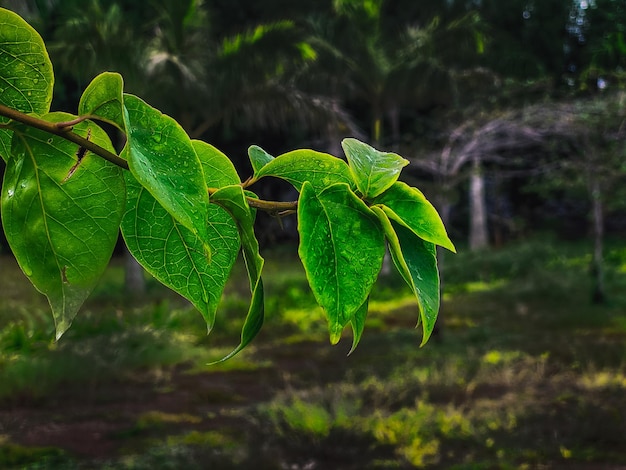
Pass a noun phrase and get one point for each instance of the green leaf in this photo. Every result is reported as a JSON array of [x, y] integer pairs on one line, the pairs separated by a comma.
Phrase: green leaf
[[373, 171], [342, 248], [218, 169], [26, 76], [233, 199], [162, 158], [258, 158], [174, 255], [61, 216], [358, 324], [319, 169], [408, 206], [103, 99], [416, 260]]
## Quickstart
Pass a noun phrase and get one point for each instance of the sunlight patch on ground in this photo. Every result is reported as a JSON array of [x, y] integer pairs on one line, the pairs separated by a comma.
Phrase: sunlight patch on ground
[[482, 286], [603, 379]]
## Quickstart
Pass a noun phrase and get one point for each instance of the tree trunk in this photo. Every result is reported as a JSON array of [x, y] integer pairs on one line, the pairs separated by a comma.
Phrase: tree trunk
[[333, 146], [478, 237], [598, 295]]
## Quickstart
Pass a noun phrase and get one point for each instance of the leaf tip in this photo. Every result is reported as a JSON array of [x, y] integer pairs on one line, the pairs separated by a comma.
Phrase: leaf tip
[[61, 327], [335, 334]]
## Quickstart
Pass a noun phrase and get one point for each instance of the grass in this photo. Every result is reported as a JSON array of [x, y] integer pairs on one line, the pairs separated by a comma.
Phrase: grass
[[527, 373]]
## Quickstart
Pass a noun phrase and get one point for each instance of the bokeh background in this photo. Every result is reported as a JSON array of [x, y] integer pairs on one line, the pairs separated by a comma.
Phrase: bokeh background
[[513, 116]]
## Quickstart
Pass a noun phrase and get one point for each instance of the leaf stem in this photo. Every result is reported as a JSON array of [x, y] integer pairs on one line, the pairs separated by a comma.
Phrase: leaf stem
[[275, 207], [67, 125], [64, 132]]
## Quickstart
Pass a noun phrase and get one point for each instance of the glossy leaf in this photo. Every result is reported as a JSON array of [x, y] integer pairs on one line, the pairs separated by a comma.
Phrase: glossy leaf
[[342, 249], [218, 169], [174, 255], [373, 171], [162, 159], [233, 199], [408, 206], [26, 76], [416, 260], [61, 217], [319, 169], [258, 158], [103, 99]]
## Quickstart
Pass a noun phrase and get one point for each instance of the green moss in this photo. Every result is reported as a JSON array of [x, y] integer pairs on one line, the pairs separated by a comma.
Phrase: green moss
[[15, 456]]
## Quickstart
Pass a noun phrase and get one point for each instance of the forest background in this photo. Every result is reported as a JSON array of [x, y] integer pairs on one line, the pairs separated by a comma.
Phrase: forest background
[[512, 115]]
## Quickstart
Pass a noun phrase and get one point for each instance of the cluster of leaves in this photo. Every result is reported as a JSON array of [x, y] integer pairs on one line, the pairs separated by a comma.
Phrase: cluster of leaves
[[183, 211]]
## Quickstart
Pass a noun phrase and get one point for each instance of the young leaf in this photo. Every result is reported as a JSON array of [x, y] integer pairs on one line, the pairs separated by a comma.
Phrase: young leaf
[[416, 260], [161, 157], [258, 158], [26, 76], [319, 169], [103, 98], [233, 199], [174, 255], [408, 206], [373, 171], [61, 214], [342, 249]]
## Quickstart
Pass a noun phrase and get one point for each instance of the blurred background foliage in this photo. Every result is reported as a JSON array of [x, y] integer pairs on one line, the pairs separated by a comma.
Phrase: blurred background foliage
[[473, 92], [513, 117]]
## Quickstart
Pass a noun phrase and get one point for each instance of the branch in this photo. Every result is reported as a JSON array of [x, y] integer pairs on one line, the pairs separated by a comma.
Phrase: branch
[[64, 132], [275, 207]]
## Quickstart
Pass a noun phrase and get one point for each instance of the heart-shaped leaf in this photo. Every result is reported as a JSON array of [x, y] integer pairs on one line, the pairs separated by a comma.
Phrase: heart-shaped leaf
[[373, 171], [408, 206], [176, 256], [319, 169], [26, 76], [171, 252], [341, 248], [61, 213]]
